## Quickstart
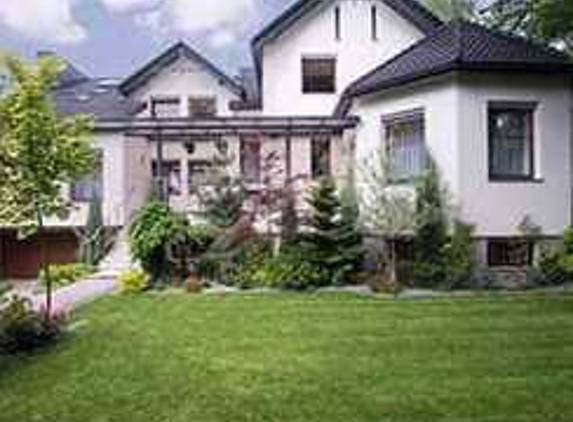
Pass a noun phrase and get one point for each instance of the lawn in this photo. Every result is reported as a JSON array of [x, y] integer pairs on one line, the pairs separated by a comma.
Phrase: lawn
[[301, 358]]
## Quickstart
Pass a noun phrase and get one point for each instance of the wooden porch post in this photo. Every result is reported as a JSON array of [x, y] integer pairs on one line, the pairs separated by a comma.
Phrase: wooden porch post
[[159, 180]]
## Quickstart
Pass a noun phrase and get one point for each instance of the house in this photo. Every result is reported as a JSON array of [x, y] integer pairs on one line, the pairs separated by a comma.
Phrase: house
[[333, 82]]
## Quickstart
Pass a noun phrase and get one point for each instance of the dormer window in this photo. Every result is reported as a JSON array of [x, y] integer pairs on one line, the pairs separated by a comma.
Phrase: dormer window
[[165, 107], [202, 106], [319, 75]]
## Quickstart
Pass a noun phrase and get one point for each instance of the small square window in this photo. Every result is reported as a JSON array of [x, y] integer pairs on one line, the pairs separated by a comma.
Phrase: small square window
[[511, 143], [319, 75], [165, 107], [510, 253], [202, 106]]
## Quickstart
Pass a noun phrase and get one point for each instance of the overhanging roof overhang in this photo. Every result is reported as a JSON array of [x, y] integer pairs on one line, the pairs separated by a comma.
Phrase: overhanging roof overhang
[[228, 126]]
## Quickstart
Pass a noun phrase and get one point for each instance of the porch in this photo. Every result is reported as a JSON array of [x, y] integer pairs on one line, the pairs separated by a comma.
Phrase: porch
[[260, 151]]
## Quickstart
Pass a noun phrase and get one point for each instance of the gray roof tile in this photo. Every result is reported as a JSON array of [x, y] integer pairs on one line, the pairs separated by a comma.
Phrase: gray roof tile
[[461, 46]]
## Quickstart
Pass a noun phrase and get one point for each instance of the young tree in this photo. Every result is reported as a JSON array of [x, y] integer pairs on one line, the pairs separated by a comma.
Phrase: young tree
[[387, 210], [334, 242], [40, 151]]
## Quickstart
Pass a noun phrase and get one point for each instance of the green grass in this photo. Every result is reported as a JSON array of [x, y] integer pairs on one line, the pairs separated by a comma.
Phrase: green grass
[[301, 358]]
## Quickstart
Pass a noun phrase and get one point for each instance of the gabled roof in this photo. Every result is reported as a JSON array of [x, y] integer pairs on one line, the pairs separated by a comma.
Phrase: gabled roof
[[172, 54], [411, 10], [70, 75], [460, 46]]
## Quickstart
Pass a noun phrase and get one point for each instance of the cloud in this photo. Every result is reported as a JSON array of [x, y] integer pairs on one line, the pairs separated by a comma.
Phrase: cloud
[[223, 20], [222, 38], [48, 20], [130, 5]]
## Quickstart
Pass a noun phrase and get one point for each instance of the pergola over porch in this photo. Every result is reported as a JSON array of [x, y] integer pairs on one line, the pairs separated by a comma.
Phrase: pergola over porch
[[290, 137]]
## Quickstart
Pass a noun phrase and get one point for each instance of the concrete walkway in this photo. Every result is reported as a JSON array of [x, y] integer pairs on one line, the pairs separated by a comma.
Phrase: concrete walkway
[[71, 297]]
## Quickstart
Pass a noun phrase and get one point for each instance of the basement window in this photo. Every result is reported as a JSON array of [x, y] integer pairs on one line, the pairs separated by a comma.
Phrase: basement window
[[510, 253], [319, 75]]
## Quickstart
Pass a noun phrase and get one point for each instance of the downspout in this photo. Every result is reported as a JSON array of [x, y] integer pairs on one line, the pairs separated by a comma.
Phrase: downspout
[[160, 182]]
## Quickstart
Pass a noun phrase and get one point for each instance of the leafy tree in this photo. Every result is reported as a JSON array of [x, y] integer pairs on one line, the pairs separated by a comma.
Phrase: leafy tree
[[449, 10], [40, 151], [549, 21]]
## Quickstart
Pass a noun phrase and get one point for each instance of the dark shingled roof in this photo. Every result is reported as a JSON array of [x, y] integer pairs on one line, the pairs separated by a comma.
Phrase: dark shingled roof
[[411, 10], [172, 54], [99, 98], [461, 46]]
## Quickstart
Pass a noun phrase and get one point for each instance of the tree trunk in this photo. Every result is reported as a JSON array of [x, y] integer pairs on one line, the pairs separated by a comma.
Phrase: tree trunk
[[44, 264]]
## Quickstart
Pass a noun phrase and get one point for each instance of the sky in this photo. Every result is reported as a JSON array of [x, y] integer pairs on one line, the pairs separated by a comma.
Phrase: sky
[[112, 38]]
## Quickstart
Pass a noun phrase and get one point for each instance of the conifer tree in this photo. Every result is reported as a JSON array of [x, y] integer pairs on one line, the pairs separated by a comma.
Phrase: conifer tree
[[431, 230], [336, 243]]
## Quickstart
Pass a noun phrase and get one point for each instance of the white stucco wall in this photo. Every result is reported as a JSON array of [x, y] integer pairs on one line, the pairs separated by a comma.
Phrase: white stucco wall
[[183, 79], [457, 137], [440, 101], [498, 208], [126, 180], [314, 35]]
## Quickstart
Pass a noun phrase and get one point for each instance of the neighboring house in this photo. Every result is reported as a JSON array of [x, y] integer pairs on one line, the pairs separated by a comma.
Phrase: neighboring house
[[333, 82]]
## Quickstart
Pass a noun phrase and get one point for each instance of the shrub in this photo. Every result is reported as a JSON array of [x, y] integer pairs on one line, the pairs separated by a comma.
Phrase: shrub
[[23, 330], [66, 274], [428, 275], [133, 282], [242, 267], [156, 230], [291, 269], [556, 264], [568, 241], [200, 238]]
